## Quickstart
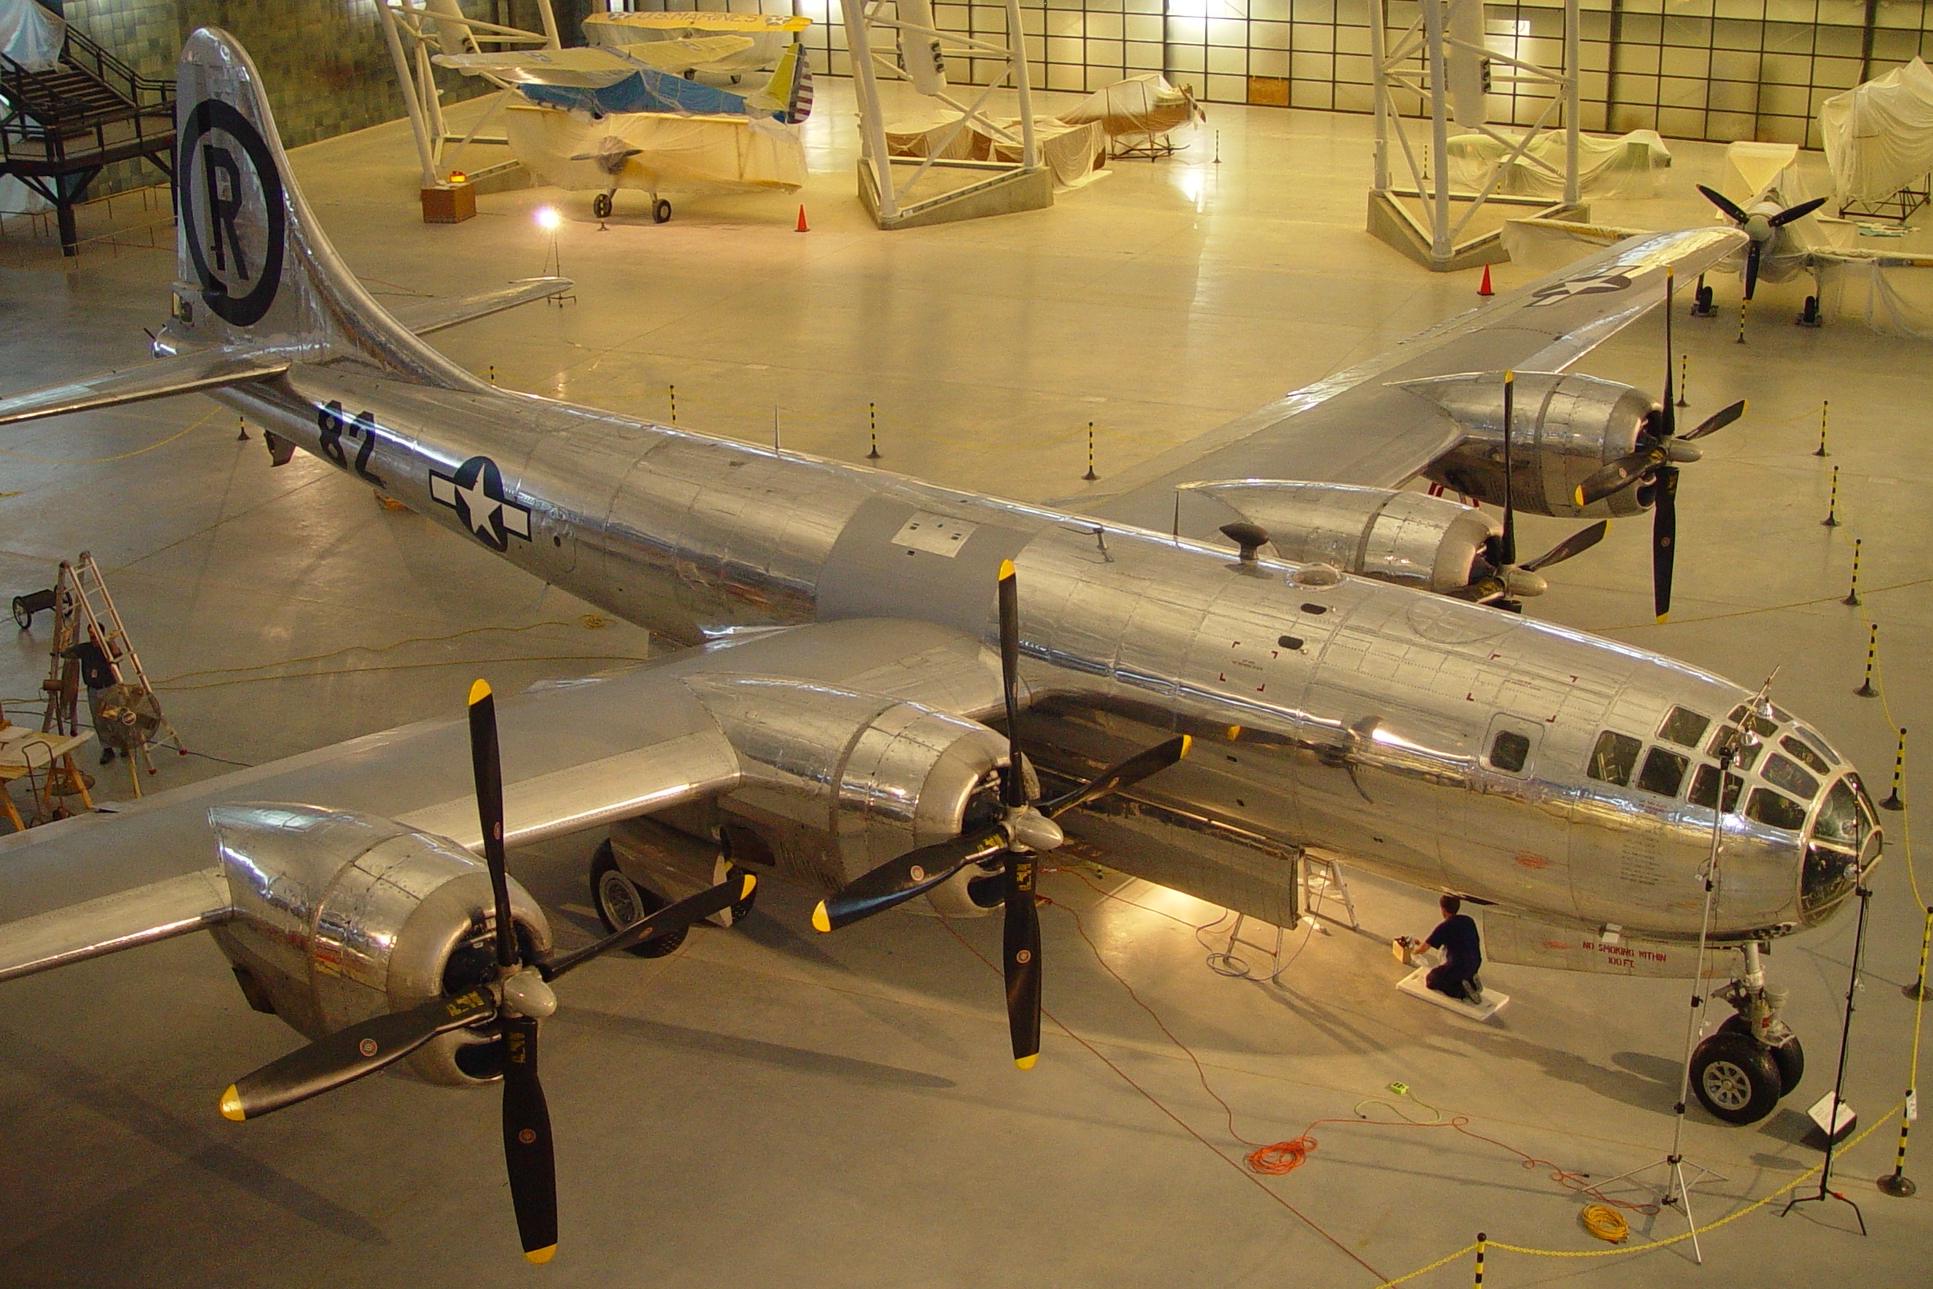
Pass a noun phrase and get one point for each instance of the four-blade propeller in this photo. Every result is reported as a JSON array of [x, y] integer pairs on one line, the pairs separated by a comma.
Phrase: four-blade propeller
[[1760, 228], [1654, 463], [515, 1001], [1022, 830]]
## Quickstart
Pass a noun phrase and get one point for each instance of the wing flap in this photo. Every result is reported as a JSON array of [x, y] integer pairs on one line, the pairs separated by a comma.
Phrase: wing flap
[[156, 378], [142, 915]]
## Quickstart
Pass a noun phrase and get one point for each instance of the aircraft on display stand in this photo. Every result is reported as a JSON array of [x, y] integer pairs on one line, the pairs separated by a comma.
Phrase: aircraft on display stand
[[895, 690], [632, 112]]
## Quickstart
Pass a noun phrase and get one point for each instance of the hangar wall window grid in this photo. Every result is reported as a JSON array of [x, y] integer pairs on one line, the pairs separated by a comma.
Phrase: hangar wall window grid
[[1691, 69]]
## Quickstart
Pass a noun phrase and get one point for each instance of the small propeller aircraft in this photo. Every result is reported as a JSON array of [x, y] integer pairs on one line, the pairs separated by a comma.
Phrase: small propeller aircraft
[[627, 115], [868, 706]]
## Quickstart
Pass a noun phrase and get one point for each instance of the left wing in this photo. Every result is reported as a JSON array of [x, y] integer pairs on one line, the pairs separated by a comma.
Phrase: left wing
[[1360, 426], [574, 755], [595, 67]]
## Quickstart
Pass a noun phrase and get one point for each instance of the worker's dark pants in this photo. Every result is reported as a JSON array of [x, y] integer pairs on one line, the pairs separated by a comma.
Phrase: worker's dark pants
[[1449, 979]]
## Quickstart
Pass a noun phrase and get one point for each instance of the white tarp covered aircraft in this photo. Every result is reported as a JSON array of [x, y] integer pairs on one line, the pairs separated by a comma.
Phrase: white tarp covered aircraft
[[896, 689]]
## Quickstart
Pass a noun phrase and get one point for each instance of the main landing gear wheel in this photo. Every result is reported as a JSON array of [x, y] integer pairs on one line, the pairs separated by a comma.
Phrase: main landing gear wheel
[[1736, 1077], [660, 211], [1789, 1056], [619, 902], [1701, 303], [601, 205]]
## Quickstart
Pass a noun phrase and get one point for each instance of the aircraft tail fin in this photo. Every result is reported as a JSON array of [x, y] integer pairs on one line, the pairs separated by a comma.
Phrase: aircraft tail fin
[[255, 273], [791, 85]]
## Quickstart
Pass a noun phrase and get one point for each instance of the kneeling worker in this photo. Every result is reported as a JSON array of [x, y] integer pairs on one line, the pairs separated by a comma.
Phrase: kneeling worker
[[1456, 936]]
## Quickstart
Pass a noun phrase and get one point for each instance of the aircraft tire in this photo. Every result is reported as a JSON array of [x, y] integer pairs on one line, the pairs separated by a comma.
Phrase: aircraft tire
[[1789, 1056], [619, 902], [661, 211], [1736, 1077], [601, 205]]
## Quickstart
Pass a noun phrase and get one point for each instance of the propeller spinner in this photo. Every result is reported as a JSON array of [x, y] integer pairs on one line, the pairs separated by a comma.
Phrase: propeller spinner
[[1023, 830]]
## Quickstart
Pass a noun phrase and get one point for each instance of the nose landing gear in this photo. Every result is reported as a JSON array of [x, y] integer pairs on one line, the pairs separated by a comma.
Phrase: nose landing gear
[[1741, 1071]]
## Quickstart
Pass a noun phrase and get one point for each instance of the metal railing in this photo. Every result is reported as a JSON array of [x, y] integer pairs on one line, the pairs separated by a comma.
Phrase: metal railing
[[41, 126]]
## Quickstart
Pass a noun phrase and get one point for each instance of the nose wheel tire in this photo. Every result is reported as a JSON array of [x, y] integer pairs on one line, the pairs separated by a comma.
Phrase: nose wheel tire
[[1789, 1056], [660, 211], [1736, 1077], [601, 205], [619, 902]]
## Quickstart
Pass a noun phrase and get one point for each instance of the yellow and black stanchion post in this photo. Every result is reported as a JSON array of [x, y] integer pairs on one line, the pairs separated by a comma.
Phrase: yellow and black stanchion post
[[1917, 990], [1090, 476], [872, 431], [493, 373], [1866, 689], [1825, 406], [1894, 801], [1852, 593], [1832, 502], [1741, 322], [672, 390], [1897, 1183], [1482, 1239], [241, 429], [1684, 380]]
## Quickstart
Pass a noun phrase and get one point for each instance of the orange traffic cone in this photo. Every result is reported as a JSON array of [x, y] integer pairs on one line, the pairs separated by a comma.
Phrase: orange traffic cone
[[1482, 290], [802, 225]]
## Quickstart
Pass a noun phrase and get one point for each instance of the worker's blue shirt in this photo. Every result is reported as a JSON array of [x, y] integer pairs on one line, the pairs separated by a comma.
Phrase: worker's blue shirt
[[1457, 937]]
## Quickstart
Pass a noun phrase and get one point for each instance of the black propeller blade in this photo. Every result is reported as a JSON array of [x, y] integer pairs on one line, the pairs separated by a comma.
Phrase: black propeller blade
[[1753, 254], [527, 1152], [1799, 211], [1507, 549], [1664, 539], [1733, 211], [487, 767], [1576, 544], [671, 918], [1022, 831], [349, 1054]]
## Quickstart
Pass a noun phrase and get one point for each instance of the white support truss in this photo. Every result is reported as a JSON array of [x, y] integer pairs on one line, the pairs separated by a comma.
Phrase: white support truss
[[415, 31], [917, 189], [1414, 64]]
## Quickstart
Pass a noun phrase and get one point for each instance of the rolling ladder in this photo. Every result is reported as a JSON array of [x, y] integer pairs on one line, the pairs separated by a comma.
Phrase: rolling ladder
[[84, 611], [1319, 882]]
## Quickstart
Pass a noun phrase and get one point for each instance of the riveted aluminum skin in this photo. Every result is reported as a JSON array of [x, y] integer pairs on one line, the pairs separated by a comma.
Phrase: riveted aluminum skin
[[839, 782], [341, 916], [1565, 427], [1409, 538]]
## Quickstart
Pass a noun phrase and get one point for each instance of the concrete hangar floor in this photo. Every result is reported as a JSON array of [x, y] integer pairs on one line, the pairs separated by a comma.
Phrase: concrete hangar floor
[[768, 1106]]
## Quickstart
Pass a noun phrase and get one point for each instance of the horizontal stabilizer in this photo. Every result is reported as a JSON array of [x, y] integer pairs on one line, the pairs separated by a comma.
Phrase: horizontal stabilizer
[[426, 316], [107, 925], [156, 378]]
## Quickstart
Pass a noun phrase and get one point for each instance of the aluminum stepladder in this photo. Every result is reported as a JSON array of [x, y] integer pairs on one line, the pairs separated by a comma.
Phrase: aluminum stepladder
[[84, 610], [1322, 880]]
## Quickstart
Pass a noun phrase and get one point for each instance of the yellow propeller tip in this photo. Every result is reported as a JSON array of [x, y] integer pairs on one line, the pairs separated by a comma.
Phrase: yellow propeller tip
[[1234, 732], [1006, 569], [1664, 617], [1578, 496], [1509, 377], [821, 921], [1187, 741], [1026, 1062], [537, 1257], [479, 691], [745, 891], [231, 1105]]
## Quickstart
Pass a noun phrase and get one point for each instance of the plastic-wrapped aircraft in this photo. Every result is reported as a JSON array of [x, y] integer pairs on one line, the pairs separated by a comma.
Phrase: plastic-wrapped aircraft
[[626, 115], [896, 690]]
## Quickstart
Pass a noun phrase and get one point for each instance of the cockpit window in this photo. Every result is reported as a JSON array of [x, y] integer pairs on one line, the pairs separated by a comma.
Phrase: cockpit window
[[1741, 715], [1747, 747], [1704, 788], [1614, 757], [1781, 773], [1509, 751], [1806, 754], [1769, 807], [1664, 770], [1828, 878], [1839, 823], [1683, 727]]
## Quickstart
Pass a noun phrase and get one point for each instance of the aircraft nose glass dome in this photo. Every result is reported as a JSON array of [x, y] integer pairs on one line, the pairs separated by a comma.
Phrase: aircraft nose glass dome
[[1844, 837]]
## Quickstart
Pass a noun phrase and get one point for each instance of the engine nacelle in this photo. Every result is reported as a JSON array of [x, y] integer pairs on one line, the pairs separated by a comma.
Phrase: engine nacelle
[[1409, 538], [838, 782], [339, 917], [1564, 428]]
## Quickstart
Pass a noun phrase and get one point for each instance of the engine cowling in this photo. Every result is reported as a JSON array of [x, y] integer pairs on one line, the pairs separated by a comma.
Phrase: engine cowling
[[1565, 426], [838, 782], [340, 916], [1410, 538]]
